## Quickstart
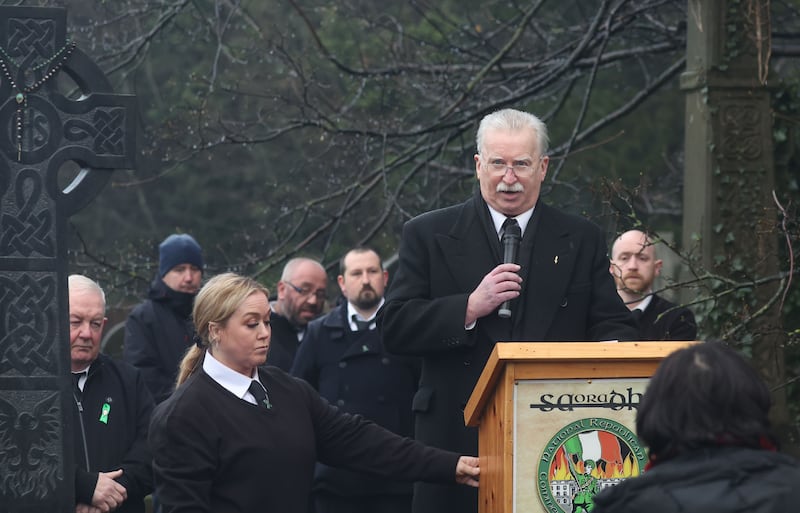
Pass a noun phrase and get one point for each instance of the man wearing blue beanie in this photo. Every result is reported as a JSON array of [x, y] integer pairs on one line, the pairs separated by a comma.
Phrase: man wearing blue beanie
[[159, 330]]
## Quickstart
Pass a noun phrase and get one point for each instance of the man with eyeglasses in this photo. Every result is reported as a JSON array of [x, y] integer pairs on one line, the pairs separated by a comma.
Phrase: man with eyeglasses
[[302, 292], [343, 359], [111, 416], [444, 302]]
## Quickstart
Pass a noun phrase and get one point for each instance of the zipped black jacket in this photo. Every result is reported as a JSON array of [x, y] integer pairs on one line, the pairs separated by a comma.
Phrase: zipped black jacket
[[157, 334], [118, 439]]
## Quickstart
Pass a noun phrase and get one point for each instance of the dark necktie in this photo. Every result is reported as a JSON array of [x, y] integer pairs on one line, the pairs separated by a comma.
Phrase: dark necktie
[[361, 325], [76, 376], [637, 314], [260, 393], [510, 221]]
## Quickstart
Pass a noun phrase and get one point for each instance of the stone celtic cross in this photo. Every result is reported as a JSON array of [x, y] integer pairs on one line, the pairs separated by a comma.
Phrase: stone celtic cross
[[57, 112]]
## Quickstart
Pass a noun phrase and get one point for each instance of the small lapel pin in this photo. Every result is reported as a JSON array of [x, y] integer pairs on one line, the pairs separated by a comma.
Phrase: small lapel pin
[[104, 413], [555, 260]]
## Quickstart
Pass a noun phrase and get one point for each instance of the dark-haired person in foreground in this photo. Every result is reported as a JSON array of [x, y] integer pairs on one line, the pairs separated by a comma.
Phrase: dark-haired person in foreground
[[238, 438], [704, 420]]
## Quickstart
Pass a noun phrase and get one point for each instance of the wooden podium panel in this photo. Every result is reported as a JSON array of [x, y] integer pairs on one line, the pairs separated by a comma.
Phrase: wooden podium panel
[[551, 396]]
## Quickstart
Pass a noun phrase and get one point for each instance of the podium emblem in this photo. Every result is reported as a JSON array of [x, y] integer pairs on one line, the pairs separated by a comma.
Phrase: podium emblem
[[584, 457]]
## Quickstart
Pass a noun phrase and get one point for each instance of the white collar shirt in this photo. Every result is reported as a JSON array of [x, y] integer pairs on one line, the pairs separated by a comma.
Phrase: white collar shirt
[[229, 379]]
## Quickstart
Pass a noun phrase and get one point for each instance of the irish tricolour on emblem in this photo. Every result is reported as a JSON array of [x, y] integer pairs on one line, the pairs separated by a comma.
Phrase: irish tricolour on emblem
[[584, 457]]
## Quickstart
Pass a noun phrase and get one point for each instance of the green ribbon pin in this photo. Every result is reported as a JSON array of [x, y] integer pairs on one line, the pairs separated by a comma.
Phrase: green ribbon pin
[[104, 413]]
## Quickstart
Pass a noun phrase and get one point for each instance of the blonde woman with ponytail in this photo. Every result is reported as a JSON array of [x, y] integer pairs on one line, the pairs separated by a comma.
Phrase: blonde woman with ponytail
[[215, 303], [239, 436]]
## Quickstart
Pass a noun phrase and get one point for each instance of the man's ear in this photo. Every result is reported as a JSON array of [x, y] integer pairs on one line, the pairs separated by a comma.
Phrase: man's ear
[[658, 265], [544, 163]]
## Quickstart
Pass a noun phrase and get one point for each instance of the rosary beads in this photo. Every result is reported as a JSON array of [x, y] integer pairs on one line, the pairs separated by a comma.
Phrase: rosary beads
[[57, 60]]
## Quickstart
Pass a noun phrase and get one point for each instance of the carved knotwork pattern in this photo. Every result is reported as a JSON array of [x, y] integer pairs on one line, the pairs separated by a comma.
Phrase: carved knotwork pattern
[[39, 127], [31, 39], [26, 222], [28, 324], [30, 438], [740, 196], [42, 132], [94, 128], [740, 128], [107, 133]]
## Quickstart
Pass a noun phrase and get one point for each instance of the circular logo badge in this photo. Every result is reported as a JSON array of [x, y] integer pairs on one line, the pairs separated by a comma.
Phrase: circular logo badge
[[584, 457]]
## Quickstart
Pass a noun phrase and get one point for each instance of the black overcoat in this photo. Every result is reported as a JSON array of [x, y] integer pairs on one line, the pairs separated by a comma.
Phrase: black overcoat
[[664, 320], [283, 342], [354, 373], [567, 295]]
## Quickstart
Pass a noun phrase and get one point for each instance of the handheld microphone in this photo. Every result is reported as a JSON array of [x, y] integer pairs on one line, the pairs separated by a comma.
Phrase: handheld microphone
[[511, 238]]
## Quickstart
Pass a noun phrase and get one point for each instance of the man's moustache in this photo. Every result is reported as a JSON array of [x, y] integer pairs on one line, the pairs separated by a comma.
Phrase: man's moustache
[[504, 187]]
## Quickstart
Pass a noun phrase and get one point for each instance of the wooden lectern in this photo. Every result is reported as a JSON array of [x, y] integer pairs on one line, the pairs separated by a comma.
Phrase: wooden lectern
[[553, 415]]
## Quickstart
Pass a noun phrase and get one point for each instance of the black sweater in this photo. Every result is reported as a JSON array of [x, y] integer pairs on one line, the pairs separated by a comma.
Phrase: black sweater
[[216, 452]]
